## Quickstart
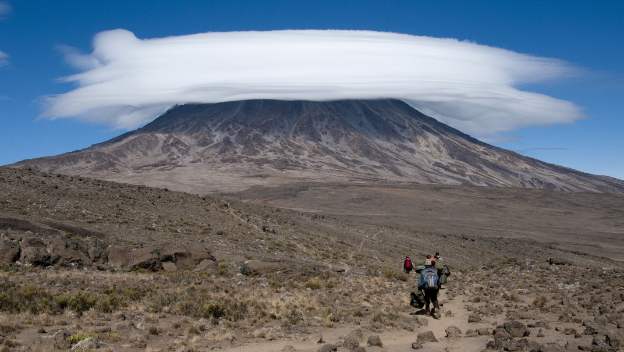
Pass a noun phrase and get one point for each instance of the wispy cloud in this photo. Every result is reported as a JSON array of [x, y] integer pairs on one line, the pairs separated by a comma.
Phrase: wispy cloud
[[5, 9], [4, 58], [125, 81], [541, 149]]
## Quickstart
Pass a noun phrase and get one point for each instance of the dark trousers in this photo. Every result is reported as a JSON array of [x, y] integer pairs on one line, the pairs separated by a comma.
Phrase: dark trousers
[[431, 297]]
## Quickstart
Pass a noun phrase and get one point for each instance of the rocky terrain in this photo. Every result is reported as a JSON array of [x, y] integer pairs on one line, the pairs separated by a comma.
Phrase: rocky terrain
[[96, 265], [579, 221], [231, 146]]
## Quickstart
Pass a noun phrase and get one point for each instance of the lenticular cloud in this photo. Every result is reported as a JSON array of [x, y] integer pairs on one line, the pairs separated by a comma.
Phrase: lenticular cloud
[[127, 81]]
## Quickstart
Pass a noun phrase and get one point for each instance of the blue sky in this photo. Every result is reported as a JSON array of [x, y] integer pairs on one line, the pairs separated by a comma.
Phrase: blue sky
[[586, 34]]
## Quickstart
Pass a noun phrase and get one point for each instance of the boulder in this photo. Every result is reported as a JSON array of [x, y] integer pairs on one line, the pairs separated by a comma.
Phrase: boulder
[[615, 338], [67, 252], [328, 348], [352, 340], [471, 333], [474, 318], [169, 266], [502, 339], [517, 345], [350, 343], [484, 331], [61, 340], [182, 257], [153, 258], [516, 329], [33, 251], [608, 340], [425, 337], [206, 265], [118, 256], [191, 258], [96, 250], [147, 258], [374, 340], [9, 251], [569, 331], [453, 332]]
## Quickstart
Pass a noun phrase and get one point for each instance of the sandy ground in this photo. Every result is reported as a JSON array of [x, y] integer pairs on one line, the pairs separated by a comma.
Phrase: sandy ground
[[393, 341]]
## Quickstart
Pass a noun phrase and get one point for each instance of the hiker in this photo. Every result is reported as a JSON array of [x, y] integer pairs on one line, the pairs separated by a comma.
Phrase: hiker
[[429, 285], [443, 270], [407, 265]]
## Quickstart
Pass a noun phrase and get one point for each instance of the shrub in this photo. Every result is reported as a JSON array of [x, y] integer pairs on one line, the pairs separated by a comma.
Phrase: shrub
[[199, 304], [78, 302], [393, 274], [153, 330], [293, 317], [313, 283], [223, 269], [17, 299], [212, 310], [540, 301], [75, 338]]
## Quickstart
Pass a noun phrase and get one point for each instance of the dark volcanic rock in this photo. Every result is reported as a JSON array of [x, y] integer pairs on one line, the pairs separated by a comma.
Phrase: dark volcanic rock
[[474, 318], [68, 252], [516, 329], [118, 256], [147, 258], [471, 333], [374, 340], [502, 339], [9, 251], [34, 251], [152, 258], [453, 332], [369, 139], [328, 348]]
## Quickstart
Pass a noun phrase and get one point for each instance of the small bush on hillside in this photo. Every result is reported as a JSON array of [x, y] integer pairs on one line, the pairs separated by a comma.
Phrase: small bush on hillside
[[75, 338], [393, 274], [79, 302], [313, 283], [36, 300]]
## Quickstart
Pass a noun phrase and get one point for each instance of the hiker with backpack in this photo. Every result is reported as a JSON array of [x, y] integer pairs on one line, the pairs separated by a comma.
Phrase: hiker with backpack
[[429, 284], [443, 270], [407, 265]]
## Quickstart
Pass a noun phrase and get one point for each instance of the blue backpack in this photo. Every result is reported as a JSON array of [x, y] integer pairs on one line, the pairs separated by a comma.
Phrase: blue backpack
[[429, 278]]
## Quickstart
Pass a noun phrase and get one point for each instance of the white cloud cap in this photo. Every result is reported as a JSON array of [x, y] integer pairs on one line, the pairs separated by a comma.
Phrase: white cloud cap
[[127, 81], [5, 9]]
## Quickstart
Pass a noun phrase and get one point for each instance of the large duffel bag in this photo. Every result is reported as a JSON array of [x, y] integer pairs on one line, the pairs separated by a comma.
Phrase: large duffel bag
[[417, 300]]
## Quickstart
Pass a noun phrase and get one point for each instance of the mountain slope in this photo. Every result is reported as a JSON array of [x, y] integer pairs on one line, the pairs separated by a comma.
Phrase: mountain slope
[[234, 145]]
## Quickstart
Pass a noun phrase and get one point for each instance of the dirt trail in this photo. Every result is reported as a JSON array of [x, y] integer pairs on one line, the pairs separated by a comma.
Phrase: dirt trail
[[393, 340]]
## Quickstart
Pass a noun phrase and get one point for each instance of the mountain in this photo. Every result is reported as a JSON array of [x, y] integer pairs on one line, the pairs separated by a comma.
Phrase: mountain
[[232, 146]]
